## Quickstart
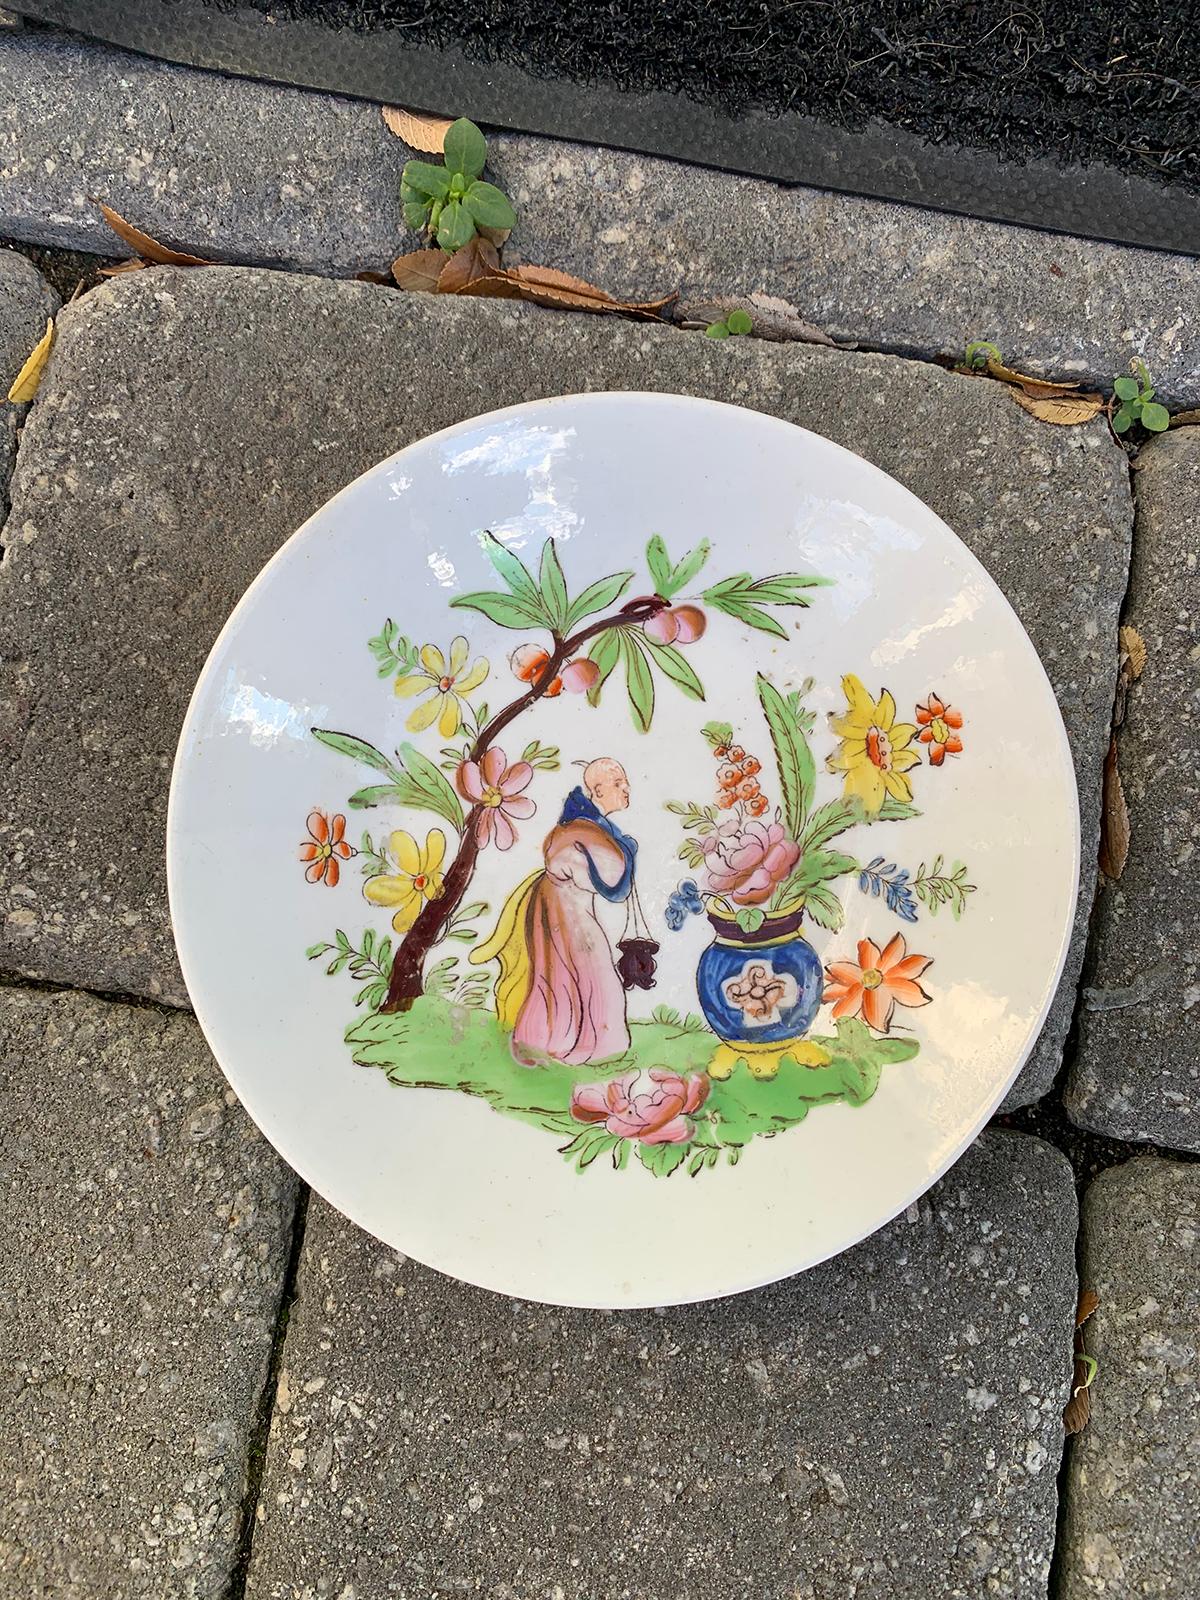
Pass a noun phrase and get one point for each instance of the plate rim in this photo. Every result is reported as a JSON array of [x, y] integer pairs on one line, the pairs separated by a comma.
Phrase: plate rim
[[598, 399]]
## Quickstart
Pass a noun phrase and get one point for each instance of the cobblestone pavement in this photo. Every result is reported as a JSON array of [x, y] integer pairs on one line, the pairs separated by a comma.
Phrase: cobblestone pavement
[[211, 1393]]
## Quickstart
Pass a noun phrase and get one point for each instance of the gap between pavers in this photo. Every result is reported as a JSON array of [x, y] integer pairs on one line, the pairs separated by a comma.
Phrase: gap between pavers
[[26, 302], [189, 422], [1132, 1497], [146, 1231], [1136, 1073], [885, 1424], [255, 172]]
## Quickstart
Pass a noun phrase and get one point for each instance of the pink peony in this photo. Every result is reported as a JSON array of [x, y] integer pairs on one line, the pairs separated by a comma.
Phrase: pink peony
[[745, 860], [494, 789], [657, 1115]]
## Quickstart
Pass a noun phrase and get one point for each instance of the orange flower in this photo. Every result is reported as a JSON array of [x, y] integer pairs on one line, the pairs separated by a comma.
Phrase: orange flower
[[877, 983], [937, 721], [325, 847]]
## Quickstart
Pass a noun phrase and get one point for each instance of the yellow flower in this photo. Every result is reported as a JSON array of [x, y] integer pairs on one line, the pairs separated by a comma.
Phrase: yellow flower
[[875, 753], [448, 685], [415, 880]]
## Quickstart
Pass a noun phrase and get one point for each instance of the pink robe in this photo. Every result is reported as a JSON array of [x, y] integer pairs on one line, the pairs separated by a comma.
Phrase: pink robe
[[574, 1010]]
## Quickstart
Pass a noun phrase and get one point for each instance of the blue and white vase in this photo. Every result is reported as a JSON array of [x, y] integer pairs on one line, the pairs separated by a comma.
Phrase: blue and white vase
[[760, 988]]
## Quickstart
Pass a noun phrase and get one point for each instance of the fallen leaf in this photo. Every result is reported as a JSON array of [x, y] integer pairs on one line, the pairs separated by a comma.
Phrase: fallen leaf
[[1185, 419], [25, 384], [497, 236], [773, 318], [1133, 651], [118, 268], [1078, 1409], [1114, 818], [148, 248], [477, 259], [374, 277], [546, 286], [1038, 388], [421, 269], [1064, 409], [418, 131]]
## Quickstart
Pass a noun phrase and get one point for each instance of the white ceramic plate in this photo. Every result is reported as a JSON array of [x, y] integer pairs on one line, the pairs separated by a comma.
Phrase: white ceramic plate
[[857, 853]]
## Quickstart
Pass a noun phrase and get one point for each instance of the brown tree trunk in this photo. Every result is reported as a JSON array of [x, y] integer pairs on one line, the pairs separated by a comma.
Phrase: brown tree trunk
[[406, 981]]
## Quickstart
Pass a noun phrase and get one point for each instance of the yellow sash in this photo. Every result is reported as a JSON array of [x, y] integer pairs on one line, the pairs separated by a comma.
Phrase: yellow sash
[[510, 948]]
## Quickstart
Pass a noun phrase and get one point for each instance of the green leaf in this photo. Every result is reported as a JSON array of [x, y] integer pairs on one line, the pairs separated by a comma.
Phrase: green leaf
[[598, 596], [456, 227], [505, 609], [416, 214], [689, 566], [717, 330], [423, 178], [750, 918], [824, 907], [893, 810], [465, 149], [671, 664], [604, 653], [315, 950], [827, 821], [739, 321], [793, 757], [1126, 389], [751, 616], [639, 682], [1155, 417], [357, 749], [489, 206], [431, 783], [819, 866], [1122, 420], [553, 587], [382, 794], [512, 569], [659, 563], [662, 1159]]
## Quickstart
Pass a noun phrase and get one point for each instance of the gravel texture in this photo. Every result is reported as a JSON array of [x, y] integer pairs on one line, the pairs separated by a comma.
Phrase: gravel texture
[[252, 172], [25, 304], [1137, 1071], [886, 1424], [1133, 1489], [251, 409], [146, 1231]]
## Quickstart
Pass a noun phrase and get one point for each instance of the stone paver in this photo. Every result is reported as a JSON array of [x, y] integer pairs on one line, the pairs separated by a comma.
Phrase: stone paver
[[1137, 1072], [1133, 1487], [884, 1425], [258, 173], [145, 1234], [25, 303], [213, 411]]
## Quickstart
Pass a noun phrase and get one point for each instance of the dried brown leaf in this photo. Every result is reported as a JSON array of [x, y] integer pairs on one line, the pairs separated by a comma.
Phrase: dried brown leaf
[[1133, 652], [477, 259], [119, 268], [420, 269], [1037, 388], [1064, 409], [374, 277], [773, 318], [1185, 419], [1088, 1301], [1078, 1409], [418, 131], [1114, 818], [25, 384], [144, 245], [547, 286]]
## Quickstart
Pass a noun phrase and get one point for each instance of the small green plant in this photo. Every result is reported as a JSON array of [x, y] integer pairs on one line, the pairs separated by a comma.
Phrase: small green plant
[[1138, 403], [451, 203], [738, 321], [979, 352]]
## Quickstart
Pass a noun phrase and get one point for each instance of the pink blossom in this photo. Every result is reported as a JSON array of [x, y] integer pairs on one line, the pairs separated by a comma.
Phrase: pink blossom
[[494, 789], [745, 860], [657, 1115]]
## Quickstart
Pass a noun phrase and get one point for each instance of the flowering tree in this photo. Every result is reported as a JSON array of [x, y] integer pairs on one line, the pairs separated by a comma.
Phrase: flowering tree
[[586, 640]]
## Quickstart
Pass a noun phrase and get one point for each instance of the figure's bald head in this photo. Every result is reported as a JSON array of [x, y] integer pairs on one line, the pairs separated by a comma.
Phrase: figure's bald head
[[606, 783]]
